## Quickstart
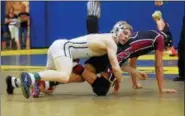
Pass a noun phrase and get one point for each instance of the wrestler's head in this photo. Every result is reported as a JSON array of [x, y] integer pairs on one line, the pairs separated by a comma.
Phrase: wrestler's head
[[122, 31]]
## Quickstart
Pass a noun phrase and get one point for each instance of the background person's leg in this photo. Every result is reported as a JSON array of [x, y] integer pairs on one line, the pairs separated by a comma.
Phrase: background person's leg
[[20, 37], [92, 24], [181, 53], [16, 31], [24, 38], [12, 36], [28, 38]]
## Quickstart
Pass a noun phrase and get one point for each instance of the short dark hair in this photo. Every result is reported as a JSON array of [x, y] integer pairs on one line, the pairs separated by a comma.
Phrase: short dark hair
[[101, 86]]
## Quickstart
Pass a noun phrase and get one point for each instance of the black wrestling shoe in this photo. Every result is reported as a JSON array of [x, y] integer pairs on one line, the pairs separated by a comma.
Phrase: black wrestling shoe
[[9, 88], [178, 79]]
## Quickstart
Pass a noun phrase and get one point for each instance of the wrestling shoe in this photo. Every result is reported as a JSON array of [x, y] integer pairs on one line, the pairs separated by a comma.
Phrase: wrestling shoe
[[157, 15], [173, 52], [9, 87], [26, 84], [179, 78]]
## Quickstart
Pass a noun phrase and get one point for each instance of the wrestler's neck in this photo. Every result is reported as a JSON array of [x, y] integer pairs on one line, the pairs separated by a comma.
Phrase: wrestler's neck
[[115, 39]]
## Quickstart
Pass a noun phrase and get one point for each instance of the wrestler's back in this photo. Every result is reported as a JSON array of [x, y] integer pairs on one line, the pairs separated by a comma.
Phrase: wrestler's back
[[97, 42]]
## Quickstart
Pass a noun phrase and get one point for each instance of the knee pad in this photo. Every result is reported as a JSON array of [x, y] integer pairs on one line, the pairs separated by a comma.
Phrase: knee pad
[[101, 86], [78, 69]]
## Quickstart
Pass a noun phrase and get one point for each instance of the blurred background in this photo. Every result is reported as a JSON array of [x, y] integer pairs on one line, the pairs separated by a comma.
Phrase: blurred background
[[51, 20]]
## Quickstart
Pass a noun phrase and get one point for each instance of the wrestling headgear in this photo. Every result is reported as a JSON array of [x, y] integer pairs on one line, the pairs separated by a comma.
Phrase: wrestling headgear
[[119, 27]]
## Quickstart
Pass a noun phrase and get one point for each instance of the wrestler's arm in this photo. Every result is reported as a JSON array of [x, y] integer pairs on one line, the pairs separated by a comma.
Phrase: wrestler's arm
[[159, 69], [133, 65], [116, 69], [112, 55], [129, 69], [159, 66], [134, 73]]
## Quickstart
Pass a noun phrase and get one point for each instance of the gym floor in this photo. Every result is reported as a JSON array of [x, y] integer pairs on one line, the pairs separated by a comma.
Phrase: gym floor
[[77, 99]]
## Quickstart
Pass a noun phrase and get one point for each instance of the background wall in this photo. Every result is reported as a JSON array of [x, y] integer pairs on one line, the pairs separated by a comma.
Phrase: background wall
[[54, 20], [17, 6], [3, 11]]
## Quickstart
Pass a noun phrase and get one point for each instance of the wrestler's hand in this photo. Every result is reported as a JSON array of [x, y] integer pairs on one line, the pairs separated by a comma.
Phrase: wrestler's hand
[[143, 75], [48, 92], [168, 91], [140, 75], [137, 86], [117, 85]]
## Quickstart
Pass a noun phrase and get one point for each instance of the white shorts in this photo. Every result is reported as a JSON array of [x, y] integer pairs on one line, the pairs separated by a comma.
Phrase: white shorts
[[74, 49], [55, 50], [14, 31]]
